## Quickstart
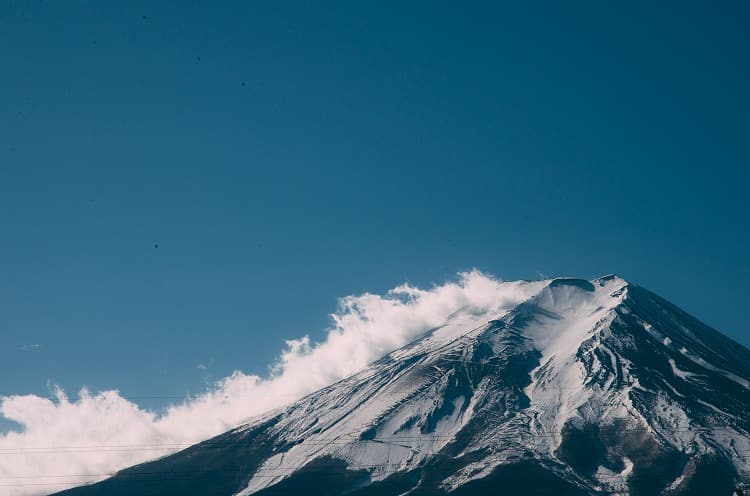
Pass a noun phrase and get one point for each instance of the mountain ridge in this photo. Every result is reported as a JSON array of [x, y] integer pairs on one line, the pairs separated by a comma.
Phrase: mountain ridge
[[596, 387]]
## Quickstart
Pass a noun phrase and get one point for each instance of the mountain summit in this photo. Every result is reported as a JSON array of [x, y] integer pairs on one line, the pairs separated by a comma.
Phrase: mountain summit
[[585, 388]]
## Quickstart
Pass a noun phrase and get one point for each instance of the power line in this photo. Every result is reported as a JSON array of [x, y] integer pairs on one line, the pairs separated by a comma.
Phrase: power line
[[280, 471], [348, 438], [170, 476]]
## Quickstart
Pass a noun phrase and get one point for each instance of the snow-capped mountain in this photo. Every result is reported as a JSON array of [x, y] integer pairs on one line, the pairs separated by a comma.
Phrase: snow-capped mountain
[[587, 387]]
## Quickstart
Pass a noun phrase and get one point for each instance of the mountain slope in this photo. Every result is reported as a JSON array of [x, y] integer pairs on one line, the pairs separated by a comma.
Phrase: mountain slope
[[587, 387]]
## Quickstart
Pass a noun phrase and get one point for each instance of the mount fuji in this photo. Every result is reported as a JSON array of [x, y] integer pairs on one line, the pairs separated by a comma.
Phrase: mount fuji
[[584, 388]]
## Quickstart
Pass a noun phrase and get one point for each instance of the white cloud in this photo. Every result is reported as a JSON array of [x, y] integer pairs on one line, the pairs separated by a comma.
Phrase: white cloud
[[62, 436]]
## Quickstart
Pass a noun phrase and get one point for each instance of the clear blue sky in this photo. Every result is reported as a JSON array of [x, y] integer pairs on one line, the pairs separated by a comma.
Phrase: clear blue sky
[[284, 154]]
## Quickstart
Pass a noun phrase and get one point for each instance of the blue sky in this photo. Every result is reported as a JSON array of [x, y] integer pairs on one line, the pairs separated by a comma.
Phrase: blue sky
[[282, 155]]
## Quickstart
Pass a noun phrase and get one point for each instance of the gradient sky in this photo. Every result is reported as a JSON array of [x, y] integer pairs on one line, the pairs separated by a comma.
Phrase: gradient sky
[[284, 154]]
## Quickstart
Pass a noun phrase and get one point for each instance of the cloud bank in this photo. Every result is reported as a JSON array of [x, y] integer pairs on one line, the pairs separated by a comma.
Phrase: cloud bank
[[66, 442]]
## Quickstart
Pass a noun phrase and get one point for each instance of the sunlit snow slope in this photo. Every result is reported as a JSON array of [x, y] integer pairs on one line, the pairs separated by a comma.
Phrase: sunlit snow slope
[[587, 387]]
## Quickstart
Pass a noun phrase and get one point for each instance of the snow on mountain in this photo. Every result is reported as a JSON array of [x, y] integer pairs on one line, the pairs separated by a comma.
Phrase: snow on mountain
[[585, 387]]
